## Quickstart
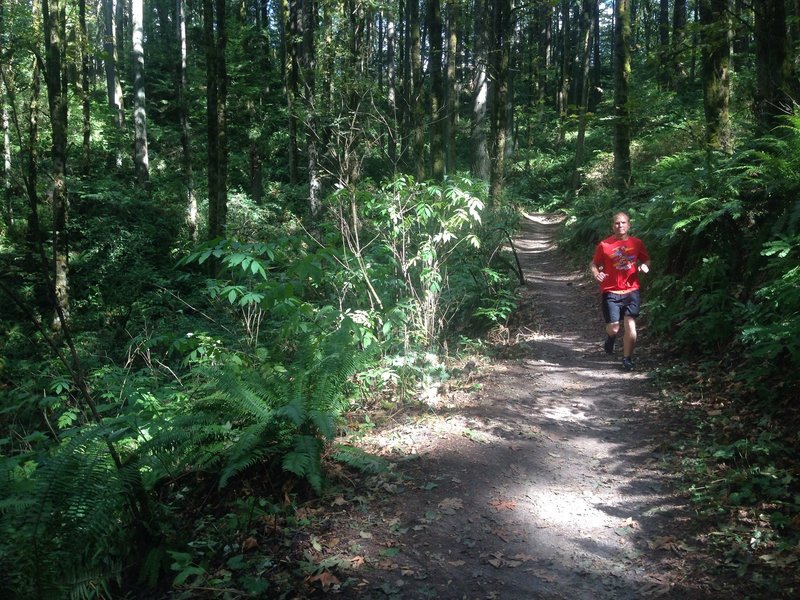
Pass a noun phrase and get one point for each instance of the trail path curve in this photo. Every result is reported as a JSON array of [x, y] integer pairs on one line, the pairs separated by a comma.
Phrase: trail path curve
[[545, 483]]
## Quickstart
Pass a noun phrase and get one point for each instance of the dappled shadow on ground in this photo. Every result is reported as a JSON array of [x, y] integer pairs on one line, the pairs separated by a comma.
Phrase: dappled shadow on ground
[[545, 482]]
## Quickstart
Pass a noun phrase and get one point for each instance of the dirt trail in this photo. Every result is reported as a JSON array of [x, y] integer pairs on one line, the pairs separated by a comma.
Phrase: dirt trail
[[545, 483]]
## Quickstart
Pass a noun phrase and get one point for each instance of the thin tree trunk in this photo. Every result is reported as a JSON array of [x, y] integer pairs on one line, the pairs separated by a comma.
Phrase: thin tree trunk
[[222, 116], [453, 13], [480, 96], [622, 71], [437, 90], [113, 85], [190, 199], [308, 68], [417, 93], [31, 176], [587, 23], [715, 34], [141, 157], [216, 92], [55, 35], [677, 52], [595, 94], [663, 43], [501, 53], [83, 32], [391, 42], [290, 69], [773, 98]]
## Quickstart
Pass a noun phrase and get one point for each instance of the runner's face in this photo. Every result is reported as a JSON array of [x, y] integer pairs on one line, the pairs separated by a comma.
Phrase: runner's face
[[620, 226]]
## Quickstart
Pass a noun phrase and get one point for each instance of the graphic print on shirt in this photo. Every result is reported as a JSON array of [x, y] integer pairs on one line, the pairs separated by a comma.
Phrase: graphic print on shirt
[[620, 258]]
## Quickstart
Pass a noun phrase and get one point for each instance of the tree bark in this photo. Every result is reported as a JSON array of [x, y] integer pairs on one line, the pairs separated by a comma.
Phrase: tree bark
[[622, 70], [308, 74], [391, 44], [663, 43], [113, 85], [587, 23], [773, 97], [215, 37], [83, 32], [451, 112], [190, 200], [54, 16], [437, 90], [677, 52], [480, 96], [715, 35], [291, 79], [500, 51], [141, 157], [417, 93]]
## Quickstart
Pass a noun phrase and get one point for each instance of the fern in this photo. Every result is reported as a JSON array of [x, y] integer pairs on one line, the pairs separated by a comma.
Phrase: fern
[[276, 410], [70, 542]]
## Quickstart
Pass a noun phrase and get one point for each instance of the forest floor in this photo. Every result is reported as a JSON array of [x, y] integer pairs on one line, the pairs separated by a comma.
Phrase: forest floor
[[541, 474]]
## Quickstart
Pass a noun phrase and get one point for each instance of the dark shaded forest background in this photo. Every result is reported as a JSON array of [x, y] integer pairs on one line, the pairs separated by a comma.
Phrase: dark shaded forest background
[[224, 225]]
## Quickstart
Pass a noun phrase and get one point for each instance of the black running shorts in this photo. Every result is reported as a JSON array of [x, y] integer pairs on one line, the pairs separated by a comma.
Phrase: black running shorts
[[615, 306]]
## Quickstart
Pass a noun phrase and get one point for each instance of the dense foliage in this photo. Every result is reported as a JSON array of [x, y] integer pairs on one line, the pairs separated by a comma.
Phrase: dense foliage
[[211, 333]]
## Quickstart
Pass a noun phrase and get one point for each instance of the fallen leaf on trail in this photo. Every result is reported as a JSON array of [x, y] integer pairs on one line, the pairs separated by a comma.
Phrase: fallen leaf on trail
[[456, 563], [326, 579], [522, 557], [554, 455], [503, 503], [339, 501], [357, 562], [451, 505], [495, 562], [365, 535], [249, 544]]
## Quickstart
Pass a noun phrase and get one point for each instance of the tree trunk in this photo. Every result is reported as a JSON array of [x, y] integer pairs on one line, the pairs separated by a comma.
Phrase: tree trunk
[[663, 44], [715, 34], [190, 200], [290, 69], [622, 70], [391, 43], [500, 50], [216, 92], [773, 97], [308, 68], [480, 96], [587, 22], [677, 52], [54, 16], [113, 85], [417, 93], [141, 157], [562, 99], [453, 12], [437, 90], [545, 10], [596, 93], [83, 32]]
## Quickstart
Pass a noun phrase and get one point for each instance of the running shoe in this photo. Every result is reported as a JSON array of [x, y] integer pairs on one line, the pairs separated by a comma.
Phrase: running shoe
[[627, 364]]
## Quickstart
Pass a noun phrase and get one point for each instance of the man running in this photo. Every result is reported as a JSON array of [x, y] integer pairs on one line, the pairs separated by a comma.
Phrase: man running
[[616, 263]]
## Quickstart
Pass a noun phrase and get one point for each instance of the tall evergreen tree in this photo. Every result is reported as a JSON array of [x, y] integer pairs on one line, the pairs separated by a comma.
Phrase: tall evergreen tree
[[715, 35], [480, 93], [54, 15], [141, 156], [622, 70]]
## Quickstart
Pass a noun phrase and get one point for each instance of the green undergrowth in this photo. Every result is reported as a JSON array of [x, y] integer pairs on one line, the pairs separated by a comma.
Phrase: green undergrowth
[[740, 470]]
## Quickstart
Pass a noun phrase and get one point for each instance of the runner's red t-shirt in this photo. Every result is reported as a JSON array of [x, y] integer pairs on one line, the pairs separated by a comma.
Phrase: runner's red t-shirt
[[618, 259]]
